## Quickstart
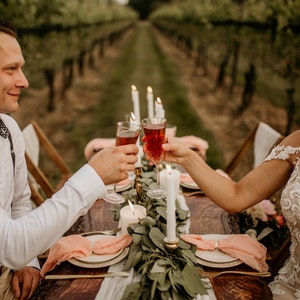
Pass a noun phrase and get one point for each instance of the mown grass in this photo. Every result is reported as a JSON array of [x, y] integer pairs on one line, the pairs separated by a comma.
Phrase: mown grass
[[142, 63]]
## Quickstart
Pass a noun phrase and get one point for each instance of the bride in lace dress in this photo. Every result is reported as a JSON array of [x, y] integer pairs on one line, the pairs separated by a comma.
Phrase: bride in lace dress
[[281, 168]]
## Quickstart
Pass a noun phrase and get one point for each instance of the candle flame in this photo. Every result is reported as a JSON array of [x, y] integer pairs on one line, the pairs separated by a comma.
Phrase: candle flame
[[133, 118], [158, 100], [131, 206], [168, 167], [133, 88], [149, 90]]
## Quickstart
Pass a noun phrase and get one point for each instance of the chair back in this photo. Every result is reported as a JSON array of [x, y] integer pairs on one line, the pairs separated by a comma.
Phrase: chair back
[[265, 139], [261, 139], [41, 183]]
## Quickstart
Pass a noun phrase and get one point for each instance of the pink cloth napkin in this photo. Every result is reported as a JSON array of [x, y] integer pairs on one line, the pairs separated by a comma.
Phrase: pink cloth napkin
[[79, 246], [241, 246], [96, 145], [195, 142]]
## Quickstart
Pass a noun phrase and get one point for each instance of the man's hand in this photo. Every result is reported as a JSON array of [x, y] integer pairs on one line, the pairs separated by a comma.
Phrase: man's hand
[[24, 282], [112, 164]]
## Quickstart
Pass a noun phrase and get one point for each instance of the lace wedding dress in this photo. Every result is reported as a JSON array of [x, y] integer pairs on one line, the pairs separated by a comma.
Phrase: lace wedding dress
[[286, 284]]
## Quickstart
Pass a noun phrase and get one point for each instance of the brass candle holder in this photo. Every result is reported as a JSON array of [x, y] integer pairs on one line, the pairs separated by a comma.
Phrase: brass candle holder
[[138, 185], [171, 245]]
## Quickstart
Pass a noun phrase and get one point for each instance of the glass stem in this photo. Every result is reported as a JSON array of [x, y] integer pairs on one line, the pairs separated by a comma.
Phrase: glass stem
[[157, 176]]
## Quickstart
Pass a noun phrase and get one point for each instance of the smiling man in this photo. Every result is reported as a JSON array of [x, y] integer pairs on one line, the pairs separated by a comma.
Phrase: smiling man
[[25, 233]]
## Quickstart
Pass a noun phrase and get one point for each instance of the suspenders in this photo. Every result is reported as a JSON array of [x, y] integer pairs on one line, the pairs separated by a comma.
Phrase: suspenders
[[13, 156]]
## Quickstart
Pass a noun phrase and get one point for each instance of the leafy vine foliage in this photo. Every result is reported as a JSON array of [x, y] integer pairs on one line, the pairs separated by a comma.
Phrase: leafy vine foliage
[[164, 273]]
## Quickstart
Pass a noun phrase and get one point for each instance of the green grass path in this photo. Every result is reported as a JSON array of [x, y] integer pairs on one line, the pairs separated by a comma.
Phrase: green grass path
[[142, 63]]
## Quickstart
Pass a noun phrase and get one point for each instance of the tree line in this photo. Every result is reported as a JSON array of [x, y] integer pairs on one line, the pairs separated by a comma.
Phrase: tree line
[[256, 46]]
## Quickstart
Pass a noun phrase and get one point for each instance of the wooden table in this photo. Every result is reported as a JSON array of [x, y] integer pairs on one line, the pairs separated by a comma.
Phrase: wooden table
[[100, 217]]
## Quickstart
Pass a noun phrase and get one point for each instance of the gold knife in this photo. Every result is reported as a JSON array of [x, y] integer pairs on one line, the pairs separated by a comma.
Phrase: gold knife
[[85, 276]]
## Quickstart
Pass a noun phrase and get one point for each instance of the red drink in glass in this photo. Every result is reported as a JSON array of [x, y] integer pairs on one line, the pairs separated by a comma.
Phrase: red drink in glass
[[126, 138], [155, 137], [126, 134]]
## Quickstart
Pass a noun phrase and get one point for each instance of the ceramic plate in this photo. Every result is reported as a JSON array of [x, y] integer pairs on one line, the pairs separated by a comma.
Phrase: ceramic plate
[[218, 265], [123, 185], [215, 256], [190, 185], [95, 258], [107, 263], [187, 182]]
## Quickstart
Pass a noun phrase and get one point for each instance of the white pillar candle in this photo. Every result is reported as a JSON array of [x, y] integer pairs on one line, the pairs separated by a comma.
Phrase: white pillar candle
[[136, 103], [138, 144], [159, 109], [175, 182], [171, 207], [150, 102], [131, 214]]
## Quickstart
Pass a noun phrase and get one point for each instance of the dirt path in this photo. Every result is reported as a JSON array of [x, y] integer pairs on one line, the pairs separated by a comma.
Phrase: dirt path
[[214, 108]]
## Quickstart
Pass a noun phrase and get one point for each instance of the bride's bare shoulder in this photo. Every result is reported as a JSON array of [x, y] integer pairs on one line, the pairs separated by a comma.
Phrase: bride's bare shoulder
[[292, 139]]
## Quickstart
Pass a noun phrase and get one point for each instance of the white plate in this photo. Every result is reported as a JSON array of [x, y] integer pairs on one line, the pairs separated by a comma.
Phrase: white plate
[[218, 265], [187, 182], [123, 185], [190, 185], [215, 256], [107, 263], [96, 258]]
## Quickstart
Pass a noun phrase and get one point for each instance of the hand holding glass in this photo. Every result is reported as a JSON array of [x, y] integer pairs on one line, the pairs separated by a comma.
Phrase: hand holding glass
[[127, 133], [154, 130]]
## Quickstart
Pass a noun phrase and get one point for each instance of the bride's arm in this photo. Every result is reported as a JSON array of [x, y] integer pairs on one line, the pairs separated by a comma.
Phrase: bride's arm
[[257, 185]]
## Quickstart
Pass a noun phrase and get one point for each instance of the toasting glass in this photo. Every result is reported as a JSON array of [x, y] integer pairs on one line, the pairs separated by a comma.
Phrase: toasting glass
[[127, 133], [154, 131]]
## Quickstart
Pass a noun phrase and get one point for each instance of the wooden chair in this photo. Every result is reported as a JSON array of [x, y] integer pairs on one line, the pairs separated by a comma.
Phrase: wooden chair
[[42, 185], [261, 139]]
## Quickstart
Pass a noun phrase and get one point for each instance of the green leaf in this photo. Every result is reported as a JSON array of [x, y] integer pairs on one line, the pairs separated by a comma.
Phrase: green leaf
[[147, 243], [132, 291], [136, 238], [192, 281], [182, 214], [162, 212], [183, 245], [189, 255], [157, 238]]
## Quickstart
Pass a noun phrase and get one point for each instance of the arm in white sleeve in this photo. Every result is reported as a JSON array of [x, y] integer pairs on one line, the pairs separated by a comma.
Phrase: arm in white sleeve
[[24, 238]]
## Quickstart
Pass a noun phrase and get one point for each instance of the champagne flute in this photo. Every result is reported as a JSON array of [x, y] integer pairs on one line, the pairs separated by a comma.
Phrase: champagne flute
[[127, 133], [154, 130]]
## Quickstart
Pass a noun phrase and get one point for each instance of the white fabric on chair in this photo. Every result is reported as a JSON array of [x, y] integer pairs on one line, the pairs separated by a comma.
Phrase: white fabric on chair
[[32, 144], [265, 139]]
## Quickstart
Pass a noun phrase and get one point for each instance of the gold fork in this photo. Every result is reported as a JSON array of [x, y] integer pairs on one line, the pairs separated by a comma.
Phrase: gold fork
[[104, 232], [213, 274]]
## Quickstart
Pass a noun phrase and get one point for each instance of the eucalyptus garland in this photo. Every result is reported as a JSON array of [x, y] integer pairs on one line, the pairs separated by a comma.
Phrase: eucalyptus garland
[[164, 273]]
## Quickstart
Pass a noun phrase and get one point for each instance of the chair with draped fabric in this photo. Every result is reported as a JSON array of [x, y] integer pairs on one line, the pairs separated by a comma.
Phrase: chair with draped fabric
[[261, 139], [42, 183]]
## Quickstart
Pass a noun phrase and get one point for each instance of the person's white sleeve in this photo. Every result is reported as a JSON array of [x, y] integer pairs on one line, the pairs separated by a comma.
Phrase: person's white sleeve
[[30, 235], [34, 263]]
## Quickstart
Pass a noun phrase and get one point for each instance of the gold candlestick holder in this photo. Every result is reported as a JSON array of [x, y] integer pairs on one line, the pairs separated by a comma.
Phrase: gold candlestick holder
[[171, 245], [138, 185]]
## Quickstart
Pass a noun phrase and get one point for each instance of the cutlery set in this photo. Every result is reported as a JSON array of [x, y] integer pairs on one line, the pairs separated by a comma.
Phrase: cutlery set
[[86, 276], [213, 274]]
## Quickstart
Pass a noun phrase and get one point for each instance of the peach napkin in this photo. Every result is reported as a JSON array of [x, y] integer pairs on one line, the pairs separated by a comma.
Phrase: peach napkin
[[112, 244], [241, 246], [79, 246], [195, 142], [96, 145]]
